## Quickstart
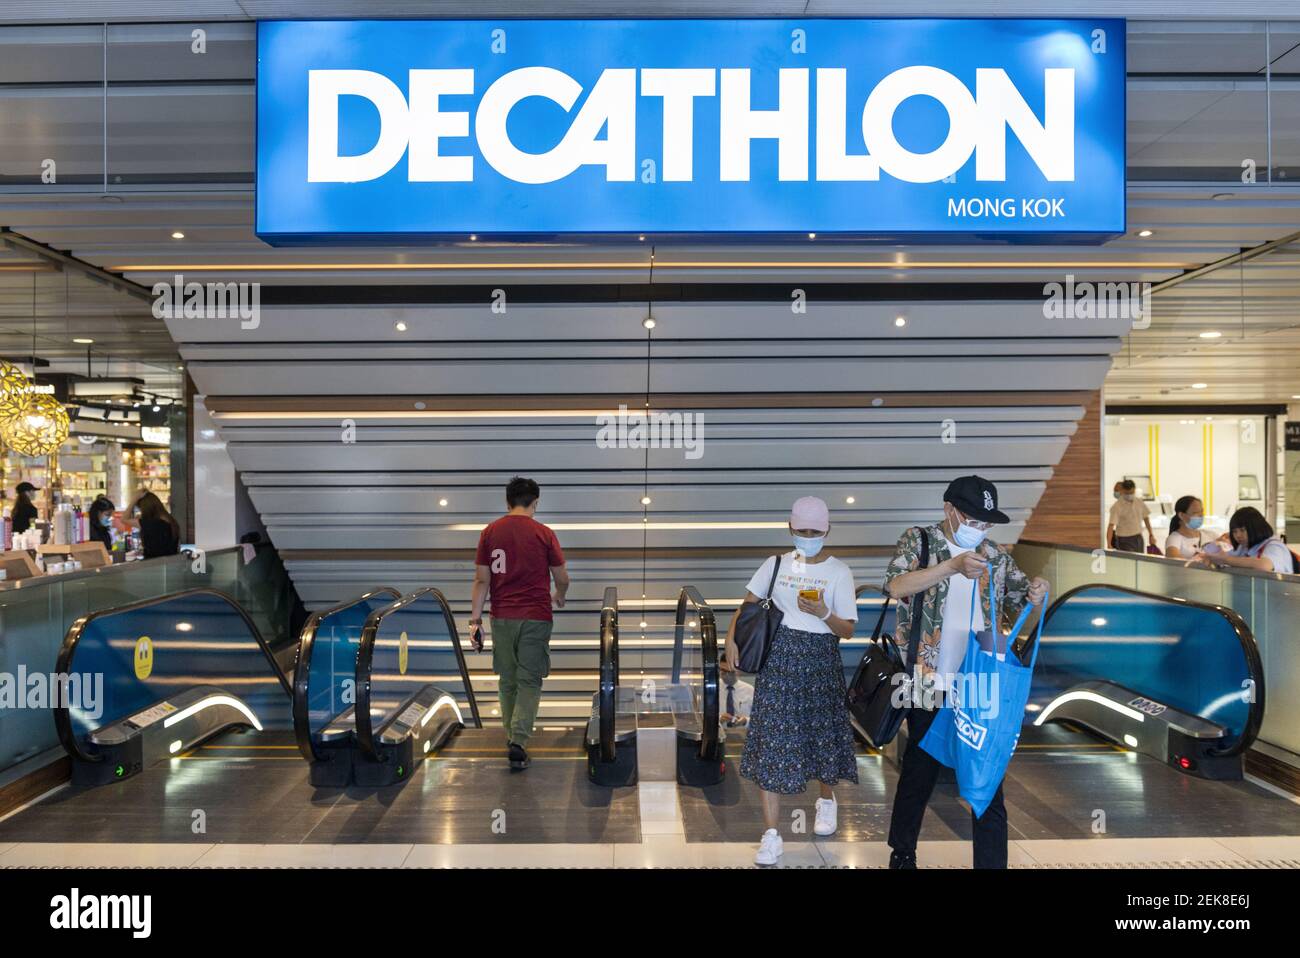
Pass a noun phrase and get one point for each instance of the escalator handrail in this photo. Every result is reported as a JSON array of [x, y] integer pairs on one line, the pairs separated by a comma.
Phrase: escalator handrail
[[608, 674], [63, 666], [302, 669], [709, 692], [1249, 649], [365, 657]]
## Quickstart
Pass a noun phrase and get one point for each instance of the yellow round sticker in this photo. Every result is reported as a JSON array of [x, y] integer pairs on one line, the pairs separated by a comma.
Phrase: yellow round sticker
[[143, 657], [403, 655]]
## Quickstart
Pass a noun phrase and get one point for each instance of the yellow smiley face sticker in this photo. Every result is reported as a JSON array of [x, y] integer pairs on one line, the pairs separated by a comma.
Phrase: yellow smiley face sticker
[[403, 654], [143, 657]]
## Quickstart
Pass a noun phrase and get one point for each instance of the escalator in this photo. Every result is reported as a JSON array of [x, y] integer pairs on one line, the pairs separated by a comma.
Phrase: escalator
[[1177, 680], [688, 710], [381, 682], [175, 672]]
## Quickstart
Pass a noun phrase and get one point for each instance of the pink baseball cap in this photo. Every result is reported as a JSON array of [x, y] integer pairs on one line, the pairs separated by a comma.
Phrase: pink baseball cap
[[809, 512]]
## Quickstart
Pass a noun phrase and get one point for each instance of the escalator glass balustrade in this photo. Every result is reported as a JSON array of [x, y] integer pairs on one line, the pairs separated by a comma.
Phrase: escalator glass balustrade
[[1179, 680], [152, 679]]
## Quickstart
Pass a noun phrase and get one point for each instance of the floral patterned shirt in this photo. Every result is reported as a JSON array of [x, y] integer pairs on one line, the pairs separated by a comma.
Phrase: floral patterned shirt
[[1010, 587]]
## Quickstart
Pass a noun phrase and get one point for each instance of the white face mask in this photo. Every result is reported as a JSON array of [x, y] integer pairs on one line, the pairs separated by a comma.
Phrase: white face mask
[[968, 537]]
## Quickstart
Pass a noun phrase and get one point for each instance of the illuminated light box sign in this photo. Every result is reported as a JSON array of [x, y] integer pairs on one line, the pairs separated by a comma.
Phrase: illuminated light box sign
[[957, 130]]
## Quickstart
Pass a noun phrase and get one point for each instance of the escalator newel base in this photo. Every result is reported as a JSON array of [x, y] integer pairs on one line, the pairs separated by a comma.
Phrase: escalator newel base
[[615, 774], [334, 770], [696, 770], [119, 761], [1193, 756], [395, 764]]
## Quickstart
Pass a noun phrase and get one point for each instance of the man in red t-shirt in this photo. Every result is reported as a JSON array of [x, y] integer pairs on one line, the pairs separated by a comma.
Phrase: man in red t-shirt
[[516, 560]]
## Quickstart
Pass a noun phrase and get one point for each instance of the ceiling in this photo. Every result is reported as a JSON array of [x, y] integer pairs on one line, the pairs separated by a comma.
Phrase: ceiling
[[179, 157]]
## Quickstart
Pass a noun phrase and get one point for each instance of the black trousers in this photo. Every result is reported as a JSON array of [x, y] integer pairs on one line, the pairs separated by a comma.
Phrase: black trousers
[[915, 785]]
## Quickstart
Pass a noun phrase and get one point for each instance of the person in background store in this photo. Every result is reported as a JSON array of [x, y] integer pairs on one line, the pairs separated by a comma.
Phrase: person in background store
[[516, 560], [159, 533], [737, 697], [100, 519], [799, 729], [24, 513], [1256, 546], [1127, 517], [937, 599], [1185, 538]]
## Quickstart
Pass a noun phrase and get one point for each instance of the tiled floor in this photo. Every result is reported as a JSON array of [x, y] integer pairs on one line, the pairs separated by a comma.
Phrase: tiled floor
[[660, 852], [1071, 802]]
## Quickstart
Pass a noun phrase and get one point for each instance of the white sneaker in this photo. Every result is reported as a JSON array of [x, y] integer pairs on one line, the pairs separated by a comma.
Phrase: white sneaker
[[770, 848], [827, 819]]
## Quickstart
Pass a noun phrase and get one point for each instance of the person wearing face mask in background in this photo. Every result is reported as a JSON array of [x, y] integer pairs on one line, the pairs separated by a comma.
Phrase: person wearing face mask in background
[[101, 522], [737, 698], [1128, 515], [937, 599], [1185, 537], [799, 724]]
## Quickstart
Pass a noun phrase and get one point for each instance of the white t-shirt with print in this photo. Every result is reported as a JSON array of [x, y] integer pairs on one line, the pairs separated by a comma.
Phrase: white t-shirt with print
[[957, 622], [1187, 541], [1274, 549], [832, 576]]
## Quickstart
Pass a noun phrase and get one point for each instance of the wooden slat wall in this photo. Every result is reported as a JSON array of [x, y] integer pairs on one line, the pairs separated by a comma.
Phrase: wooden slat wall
[[1070, 509]]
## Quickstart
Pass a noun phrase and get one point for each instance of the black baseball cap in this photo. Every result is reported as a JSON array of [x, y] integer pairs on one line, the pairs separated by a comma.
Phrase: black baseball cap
[[977, 498], [25, 487]]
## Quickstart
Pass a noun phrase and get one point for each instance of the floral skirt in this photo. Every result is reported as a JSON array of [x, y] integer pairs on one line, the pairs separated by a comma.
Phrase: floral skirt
[[799, 724]]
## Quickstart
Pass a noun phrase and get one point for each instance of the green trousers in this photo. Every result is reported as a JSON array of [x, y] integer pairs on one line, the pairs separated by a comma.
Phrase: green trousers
[[521, 658]]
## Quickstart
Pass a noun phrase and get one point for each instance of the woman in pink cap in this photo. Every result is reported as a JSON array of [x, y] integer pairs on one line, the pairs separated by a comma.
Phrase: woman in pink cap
[[799, 725]]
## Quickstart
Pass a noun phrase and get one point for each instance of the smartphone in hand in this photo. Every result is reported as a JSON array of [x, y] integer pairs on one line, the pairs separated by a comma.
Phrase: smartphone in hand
[[476, 637]]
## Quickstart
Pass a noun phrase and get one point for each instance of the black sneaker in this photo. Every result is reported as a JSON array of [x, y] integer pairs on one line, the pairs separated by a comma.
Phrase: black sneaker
[[518, 757], [901, 862]]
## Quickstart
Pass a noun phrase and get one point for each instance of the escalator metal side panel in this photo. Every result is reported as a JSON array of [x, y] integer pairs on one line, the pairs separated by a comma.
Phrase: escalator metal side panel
[[1173, 737]]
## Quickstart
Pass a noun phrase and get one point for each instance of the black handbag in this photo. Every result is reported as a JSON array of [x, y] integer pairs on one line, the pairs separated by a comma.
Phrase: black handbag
[[870, 696], [756, 625]]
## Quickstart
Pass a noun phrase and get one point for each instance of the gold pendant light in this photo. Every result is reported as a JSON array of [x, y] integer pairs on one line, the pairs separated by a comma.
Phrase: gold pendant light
[[13, 391], [39, 429]]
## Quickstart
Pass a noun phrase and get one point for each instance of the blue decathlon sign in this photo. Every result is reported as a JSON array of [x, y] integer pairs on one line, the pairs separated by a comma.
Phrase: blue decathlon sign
[[958, 130]]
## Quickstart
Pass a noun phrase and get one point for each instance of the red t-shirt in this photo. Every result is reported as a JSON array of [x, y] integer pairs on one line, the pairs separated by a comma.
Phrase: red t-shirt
[[520, 552]]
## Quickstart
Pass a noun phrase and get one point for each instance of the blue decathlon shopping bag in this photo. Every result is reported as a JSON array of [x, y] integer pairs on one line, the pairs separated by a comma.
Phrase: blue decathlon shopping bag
[[976, 731]]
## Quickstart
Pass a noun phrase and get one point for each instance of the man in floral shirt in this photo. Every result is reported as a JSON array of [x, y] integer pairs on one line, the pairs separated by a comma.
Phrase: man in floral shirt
[[939, 600]]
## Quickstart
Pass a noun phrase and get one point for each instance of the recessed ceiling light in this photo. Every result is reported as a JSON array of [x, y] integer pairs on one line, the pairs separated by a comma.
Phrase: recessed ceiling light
[[1200, 385], [1296, 396], [442, 502], [641, 238], [850, 500], [645, 500], [900, 321], [82, 341], [184, 627], [1211, 334], [648, 322], [1145, 233], [178, 235], [473, 237], [399, 326]]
